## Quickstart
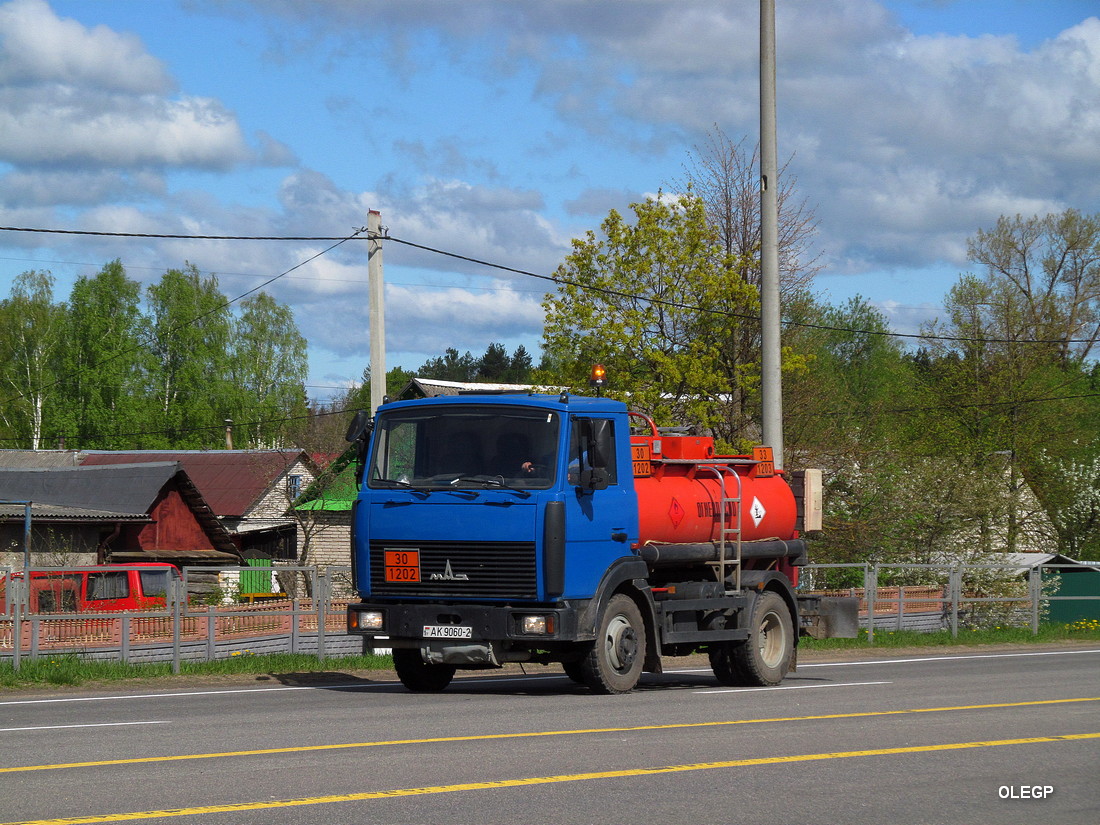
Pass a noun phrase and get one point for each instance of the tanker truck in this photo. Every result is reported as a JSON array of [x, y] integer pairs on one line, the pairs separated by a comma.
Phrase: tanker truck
[[492, 528]]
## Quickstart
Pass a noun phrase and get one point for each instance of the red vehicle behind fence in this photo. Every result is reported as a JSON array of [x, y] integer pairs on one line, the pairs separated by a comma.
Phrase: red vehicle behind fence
[[96, 589]]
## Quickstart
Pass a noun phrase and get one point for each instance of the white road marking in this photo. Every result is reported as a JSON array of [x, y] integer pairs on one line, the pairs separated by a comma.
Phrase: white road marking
[[89, 725], [498, 679], [788, 687]]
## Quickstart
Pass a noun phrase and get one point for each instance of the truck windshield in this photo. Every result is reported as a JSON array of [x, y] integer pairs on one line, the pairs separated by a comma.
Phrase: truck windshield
[[465, 447]]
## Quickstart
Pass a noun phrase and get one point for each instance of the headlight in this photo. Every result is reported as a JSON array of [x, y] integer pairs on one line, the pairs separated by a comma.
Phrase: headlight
[[368, 619], [537, 625]]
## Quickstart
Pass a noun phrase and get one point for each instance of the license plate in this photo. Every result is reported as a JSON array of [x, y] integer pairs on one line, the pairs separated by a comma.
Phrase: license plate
[[447, 631]]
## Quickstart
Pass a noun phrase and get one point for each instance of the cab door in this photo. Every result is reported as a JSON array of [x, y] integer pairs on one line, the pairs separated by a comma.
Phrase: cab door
[[601, 511]]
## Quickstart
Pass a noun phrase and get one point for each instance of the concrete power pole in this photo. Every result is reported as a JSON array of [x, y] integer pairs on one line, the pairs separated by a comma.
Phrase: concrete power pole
[[771, 383], [375, 297]]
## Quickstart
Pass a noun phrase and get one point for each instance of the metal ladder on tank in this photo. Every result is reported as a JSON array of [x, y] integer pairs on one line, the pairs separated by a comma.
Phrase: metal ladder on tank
[[730, 512]]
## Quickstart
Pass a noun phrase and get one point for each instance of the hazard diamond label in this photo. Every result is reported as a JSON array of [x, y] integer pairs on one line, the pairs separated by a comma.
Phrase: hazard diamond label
[[757, 511], [676, 513]]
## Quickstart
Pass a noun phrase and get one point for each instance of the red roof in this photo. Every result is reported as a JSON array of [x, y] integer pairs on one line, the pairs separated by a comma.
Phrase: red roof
[[231, 481]]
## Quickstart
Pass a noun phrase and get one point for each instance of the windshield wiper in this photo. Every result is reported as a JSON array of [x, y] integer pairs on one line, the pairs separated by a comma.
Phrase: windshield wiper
[[396, 482], [491, 481]]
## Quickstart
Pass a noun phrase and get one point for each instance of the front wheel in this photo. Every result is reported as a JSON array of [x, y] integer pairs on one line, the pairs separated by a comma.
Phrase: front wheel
[[764, 658], [614, 663], [419, 676]]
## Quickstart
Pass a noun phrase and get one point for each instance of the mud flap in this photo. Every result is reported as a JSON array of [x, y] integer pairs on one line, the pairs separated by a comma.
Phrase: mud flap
[[829, 617]]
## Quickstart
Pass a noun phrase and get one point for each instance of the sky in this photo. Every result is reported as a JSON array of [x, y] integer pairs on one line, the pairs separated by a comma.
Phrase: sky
[[499, 130]]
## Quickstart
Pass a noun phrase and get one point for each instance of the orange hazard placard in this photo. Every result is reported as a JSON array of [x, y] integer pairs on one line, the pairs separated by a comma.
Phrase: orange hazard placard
[[765, 467], [402, 565], [642, 458]]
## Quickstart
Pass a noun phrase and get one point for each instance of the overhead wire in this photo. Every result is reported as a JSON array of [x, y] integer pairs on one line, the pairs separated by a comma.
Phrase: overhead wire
[[556, 279]]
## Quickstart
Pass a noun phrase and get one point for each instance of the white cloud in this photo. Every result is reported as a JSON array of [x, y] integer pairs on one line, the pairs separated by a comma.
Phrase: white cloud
[[73, 96], [39, 48]]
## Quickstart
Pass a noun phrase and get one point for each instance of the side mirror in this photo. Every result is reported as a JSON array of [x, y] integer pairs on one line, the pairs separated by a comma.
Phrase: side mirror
[[359, 431], [359, 426], [599, 442]]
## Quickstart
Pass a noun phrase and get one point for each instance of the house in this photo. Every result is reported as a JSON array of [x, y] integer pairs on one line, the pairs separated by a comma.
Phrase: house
[[119, 513], [325, 514], [249, 491]]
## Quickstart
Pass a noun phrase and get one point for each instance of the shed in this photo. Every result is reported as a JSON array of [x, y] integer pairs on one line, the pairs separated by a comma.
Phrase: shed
[[130, 510], [1076, 579], [249, 491]]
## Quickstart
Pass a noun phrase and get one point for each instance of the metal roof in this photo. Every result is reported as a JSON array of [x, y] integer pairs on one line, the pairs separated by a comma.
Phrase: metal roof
[[429, 387], [115, 492], [58, 512], [31, 459], [231, 481], [130, 488]]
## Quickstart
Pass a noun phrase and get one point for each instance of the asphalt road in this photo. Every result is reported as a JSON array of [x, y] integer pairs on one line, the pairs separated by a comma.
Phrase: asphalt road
[[981, 737]]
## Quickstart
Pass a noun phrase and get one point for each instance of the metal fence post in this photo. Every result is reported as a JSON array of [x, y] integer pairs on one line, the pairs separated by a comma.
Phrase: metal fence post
[[211, 631], [124, 641], [320, 594], [17, 623], [294, 618], [870, 590], [179, 593], [1035, 590], [954, 584]]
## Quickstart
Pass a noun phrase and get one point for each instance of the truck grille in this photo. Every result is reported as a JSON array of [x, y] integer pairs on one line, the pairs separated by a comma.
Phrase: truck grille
[[502, 570]]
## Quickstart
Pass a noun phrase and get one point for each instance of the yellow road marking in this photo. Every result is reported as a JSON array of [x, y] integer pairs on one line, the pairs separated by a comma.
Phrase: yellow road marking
[[534, 734], [545, 780]]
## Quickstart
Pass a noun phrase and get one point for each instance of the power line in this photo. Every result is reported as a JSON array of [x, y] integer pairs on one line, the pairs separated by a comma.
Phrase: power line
[[168, 236], [361, 234], [188, 322]]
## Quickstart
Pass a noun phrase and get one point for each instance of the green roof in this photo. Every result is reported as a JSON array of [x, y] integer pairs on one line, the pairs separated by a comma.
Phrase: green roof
[[338, 494]]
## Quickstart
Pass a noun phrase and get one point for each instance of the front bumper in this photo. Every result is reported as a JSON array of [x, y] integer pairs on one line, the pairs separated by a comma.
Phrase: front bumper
[[406, 625]]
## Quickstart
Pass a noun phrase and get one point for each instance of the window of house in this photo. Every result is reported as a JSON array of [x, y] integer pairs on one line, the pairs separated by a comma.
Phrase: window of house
[[294, 486]]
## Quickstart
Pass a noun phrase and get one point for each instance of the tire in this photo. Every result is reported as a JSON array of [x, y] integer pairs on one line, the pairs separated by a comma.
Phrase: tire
[[614, 663], [764, 658], [575, 671], [419, 676]]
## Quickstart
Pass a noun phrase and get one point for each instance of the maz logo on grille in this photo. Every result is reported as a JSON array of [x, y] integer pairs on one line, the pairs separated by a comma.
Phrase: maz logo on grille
[[448, 575]]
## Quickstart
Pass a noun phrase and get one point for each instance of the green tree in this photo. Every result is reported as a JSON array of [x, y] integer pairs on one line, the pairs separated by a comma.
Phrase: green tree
[[103, 362], [493, 366], [31, 336], [267, 370], [859, 392], [662, 307], [189, 328], [520, 366], [1010, 364], [450, 367]]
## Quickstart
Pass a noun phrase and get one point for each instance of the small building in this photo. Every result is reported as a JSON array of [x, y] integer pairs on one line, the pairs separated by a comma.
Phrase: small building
[[431, 387], [121, 513], [249, 491], [1076, 582]]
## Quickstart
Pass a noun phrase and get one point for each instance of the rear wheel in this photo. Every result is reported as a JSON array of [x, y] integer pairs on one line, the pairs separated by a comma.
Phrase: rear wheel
[[765, 657], [419, 676], [614, 663]]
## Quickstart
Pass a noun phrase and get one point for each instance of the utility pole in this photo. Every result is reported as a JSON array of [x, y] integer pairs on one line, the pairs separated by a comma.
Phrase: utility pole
[[375, 297], [771, 380]]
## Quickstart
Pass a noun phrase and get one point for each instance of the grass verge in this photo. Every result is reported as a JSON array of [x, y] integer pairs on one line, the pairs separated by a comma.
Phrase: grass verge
[[1086, 630], [75, 670]]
